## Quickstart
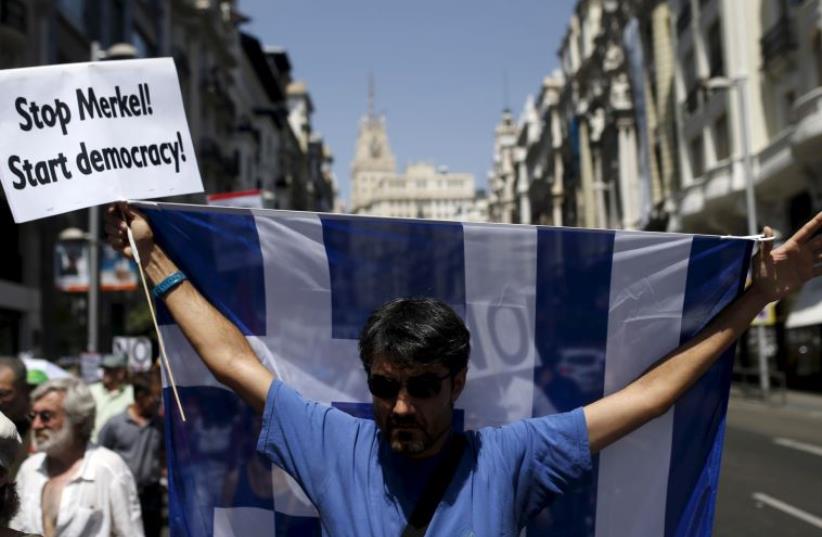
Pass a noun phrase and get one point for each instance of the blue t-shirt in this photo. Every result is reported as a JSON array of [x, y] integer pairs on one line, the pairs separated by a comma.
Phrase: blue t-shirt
[[360, 487]]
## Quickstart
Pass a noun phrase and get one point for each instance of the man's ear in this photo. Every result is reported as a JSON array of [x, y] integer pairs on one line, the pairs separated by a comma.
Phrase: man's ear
[[458, 384]]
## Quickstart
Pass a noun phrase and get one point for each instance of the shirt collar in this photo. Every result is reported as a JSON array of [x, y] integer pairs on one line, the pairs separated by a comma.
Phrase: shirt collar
[[87, 470]]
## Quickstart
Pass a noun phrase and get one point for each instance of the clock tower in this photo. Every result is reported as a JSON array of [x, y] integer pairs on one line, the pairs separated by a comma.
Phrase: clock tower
[[373, 159]]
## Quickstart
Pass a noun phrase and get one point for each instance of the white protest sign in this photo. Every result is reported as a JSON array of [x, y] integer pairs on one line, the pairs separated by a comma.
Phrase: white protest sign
[[77, 135]]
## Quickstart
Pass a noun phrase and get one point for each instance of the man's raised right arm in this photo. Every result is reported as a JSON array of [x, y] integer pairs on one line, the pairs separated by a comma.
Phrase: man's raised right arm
[[222, 347]]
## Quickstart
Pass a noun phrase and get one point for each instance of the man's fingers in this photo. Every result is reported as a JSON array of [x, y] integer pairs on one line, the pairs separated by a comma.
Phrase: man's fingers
[[808, 230], [816, 243], [114, 227], [132, 212], [765, 247]]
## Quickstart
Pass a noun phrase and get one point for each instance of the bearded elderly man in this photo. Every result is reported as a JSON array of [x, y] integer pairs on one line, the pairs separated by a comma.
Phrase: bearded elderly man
[[71, 487]]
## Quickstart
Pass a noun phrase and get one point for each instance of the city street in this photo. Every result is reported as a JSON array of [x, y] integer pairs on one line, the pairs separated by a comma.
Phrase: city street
[[771, 480]]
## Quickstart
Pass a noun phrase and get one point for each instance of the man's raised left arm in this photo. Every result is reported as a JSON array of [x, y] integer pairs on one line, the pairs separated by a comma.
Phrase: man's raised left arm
[[775, 272]]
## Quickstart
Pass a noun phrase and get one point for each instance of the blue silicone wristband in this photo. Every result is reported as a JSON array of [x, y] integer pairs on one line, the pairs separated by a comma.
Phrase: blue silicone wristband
[[161, 289]]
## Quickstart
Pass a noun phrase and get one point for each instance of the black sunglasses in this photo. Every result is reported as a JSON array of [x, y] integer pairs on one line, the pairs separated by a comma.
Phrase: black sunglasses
[[422, 386], [45, 415]]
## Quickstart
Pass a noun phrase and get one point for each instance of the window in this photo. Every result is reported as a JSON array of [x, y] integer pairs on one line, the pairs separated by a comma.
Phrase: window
[[817, 56], [697, 157], [788, 99], [74, 11], [116, 22], [689, 80], [144, 47], [683, 20], [722, 142], [715, 54]]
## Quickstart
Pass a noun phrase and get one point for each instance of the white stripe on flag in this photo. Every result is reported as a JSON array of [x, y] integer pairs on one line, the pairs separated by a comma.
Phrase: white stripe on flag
[[648, 279], [298, 329], [298, 311], [243, 521], [189, 369], [500, 301]]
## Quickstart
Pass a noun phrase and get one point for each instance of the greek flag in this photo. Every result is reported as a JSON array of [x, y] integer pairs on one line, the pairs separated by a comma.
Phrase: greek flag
[[559, 317]]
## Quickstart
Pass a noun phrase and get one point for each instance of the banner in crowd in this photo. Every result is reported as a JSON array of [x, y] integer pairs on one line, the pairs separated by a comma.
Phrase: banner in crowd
[[77, 135], [558, 317]]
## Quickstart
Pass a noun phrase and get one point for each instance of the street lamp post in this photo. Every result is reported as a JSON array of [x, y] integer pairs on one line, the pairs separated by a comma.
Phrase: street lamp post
[[119, 51], [739, 83]]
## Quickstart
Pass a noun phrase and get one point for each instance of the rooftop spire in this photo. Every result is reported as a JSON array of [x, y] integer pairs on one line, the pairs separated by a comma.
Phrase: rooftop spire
[[371, 115]]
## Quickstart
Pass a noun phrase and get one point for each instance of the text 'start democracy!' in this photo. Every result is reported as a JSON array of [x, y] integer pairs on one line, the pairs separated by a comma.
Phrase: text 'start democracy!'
[[90, 106]]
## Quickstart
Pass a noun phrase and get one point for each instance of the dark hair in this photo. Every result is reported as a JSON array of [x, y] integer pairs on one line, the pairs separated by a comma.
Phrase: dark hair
[[18, 369], [142, 383], [414, 331]]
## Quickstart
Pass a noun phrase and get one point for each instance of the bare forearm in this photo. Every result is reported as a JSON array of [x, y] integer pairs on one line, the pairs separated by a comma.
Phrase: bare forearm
[[672, 376], [223, 349], [658, 389]]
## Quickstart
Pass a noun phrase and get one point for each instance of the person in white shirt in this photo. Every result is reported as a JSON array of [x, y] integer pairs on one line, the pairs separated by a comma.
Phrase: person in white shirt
[[71, 487]]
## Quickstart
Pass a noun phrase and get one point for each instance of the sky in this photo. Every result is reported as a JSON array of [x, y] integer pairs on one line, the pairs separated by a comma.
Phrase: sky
[[443, 69]]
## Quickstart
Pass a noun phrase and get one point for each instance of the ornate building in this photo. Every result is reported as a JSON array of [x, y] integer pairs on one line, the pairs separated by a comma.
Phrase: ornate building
[[250, 128], [422, 191]]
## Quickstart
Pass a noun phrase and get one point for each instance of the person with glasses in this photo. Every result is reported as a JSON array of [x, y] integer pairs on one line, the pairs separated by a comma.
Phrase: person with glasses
[[72, 487], [378, 477]]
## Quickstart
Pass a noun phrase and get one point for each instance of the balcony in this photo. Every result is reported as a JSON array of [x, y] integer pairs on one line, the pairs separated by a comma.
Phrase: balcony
[[778, 41], [807, 135], [13, 15]]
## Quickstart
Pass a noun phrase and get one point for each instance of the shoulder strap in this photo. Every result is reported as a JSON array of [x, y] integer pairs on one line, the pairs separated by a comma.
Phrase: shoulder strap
[[435, 489]]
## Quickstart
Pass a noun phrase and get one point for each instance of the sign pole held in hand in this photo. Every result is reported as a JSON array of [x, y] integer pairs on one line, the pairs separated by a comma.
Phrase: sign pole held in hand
[[136, 254]]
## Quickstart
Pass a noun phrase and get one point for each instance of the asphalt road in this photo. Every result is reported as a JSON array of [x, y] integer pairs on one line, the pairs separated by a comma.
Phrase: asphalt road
[[771, 479]]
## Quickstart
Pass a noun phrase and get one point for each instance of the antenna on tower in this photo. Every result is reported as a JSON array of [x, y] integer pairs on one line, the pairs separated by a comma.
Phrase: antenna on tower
[[506, 101], [371, 115]]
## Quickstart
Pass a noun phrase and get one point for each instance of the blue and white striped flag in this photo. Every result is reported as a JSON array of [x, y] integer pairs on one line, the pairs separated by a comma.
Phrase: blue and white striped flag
[[558, 317]]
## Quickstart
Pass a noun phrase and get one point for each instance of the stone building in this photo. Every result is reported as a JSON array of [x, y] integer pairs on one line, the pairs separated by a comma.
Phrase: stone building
[[644, 128], [579, 155], [502, 180], [238, 107], [421, 191], [771, 51]]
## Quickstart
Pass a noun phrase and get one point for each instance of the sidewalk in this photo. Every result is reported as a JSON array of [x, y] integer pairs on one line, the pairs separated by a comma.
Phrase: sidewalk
[[804, 402]]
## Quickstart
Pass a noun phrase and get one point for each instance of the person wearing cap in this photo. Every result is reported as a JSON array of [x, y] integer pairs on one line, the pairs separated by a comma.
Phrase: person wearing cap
[[112, 395], [10, 444], [14, 403]]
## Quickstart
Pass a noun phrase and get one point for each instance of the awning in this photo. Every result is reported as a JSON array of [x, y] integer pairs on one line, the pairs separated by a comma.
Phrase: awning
[[807, 308]]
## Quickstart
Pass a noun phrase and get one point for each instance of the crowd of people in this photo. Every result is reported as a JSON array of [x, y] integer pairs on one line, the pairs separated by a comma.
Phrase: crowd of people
[[78, 459]]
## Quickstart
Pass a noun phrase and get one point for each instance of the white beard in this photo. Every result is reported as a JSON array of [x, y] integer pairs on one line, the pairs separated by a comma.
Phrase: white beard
[[56, 441]]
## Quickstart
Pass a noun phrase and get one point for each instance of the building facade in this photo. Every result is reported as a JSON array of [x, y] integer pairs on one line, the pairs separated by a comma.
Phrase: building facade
[[749, 81], [422, 190], [580, 153], [647, 125], [239, 111]]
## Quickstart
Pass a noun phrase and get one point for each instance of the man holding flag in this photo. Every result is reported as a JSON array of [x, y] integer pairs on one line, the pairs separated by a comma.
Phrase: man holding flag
[[395, 472]]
